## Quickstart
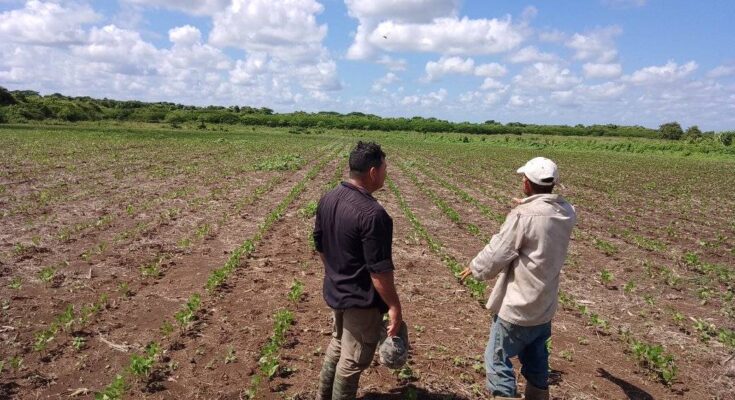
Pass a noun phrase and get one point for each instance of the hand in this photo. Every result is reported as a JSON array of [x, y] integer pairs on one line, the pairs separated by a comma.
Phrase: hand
[[516, 201], [465, 273], [396, 317]]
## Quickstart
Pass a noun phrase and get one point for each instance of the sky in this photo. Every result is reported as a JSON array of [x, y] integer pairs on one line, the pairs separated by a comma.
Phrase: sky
[[627, 62]]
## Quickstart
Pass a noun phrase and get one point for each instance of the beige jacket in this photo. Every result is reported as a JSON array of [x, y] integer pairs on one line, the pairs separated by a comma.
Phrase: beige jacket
[[527, 255]]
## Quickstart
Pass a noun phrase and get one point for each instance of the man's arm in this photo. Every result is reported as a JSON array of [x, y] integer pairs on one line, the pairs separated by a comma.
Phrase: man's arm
[[498, 254], [386, 288]]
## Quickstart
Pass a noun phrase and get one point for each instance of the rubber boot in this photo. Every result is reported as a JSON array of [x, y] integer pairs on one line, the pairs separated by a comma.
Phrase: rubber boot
[[326, 381], [345, 388], [534, 393]]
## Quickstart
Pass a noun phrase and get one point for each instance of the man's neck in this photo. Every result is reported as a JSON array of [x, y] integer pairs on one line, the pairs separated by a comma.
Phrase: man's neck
[[360, 184]]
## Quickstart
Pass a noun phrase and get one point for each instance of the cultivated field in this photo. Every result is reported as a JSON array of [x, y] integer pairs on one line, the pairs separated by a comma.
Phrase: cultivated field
[[150, 262]]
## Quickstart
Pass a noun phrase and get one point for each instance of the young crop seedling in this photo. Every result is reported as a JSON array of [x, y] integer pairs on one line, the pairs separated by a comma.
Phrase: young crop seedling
[[113, 391], [141, 365], [46, 274], [167, 328], [15, 362], [186, 315], [78, 343], [152, 270], [16, 283], [309, 210], [124, 289], [655, 359], [297, 291], [606, 277], [230, 357], [629, 287]]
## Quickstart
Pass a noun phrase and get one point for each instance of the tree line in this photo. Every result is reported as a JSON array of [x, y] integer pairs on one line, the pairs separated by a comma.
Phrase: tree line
[[19, 106]]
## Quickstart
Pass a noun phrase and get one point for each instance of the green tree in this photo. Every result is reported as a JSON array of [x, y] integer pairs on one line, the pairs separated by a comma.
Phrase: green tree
[[6, 98], [693, 133], [671, 131]]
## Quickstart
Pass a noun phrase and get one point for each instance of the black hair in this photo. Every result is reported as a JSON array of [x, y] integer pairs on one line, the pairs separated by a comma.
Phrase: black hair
[[540, 189], [364, 156]]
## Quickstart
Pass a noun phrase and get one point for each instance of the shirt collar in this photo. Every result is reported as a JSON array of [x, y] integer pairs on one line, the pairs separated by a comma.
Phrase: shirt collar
[[359, 189], [542, 197]]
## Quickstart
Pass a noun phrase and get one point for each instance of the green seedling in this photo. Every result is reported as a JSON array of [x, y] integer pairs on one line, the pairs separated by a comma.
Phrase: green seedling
[[113, 391], [78, 343], [16, 283], [167, 328], [152, 270], [309, 210], [566, 354], [66, 319], [629, 287], [655, 359], [186, 315], [15, 362], [202, 231], [124, 289], [46, 274], [606, 277], [297, 291], [230, 357], [606, 247]]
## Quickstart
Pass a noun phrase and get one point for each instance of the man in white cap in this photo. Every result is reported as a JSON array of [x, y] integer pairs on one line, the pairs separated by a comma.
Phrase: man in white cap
[[526, 256]]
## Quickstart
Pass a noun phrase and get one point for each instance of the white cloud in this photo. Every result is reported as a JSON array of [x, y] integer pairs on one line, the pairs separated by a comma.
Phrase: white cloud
[[195, 7], [450, 36], [46, 23], [607, 90], [592, 70], [624, 3], [597, 45], [381, 83], [546, 76], [119, 50], [392, 64], [531, 54], [666, 73], [520, 101], [483, 98], [721, 71], [370, 13], [449, 65], [185, 35], [284, 29], [428, 100], [248, 71], [552, 36], [428, 26], [404, 10], [491, 70], [492, 84]]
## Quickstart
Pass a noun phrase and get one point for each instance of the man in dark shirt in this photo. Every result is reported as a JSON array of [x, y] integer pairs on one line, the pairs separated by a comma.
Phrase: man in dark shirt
[[353, 235]]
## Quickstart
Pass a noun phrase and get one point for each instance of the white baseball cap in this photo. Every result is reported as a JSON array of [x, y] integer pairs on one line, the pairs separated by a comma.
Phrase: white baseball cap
[[540, 171]]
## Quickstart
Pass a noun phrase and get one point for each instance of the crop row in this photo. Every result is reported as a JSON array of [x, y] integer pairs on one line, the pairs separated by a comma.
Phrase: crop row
[[187, 314], [476, 288], [652, 357]]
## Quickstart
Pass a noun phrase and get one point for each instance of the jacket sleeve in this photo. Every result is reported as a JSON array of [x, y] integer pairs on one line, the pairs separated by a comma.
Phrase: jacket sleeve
[[500, 252]]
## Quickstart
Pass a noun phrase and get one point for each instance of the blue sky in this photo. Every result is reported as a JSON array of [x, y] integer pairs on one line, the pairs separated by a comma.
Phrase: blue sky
[[633, 62]]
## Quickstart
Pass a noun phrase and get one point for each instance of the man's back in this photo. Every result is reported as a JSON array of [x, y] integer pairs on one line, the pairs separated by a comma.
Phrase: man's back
[[354, 233], [534, 241]]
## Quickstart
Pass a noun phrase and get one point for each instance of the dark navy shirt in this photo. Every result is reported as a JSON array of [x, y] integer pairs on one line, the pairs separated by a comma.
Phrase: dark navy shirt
[[355, 233]]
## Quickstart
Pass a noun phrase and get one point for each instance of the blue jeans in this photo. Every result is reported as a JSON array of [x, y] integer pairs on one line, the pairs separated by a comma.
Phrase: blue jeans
[[529, 344]]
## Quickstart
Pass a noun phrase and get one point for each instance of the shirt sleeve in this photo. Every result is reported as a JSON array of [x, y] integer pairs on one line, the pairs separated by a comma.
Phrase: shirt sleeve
[[500, 252], [377, 243], [317, 234]]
